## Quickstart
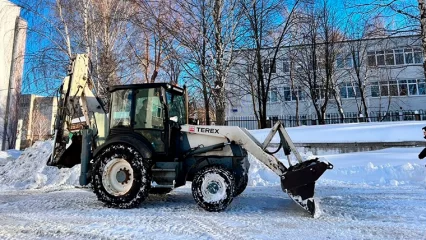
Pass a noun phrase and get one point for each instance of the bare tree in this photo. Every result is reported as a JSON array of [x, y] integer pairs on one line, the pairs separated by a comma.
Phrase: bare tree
[[207, 33], [261, 16], [152, 41], [40, 124], [61, 29], [358, 34], [411, 16], [330, 35], [226, 19]]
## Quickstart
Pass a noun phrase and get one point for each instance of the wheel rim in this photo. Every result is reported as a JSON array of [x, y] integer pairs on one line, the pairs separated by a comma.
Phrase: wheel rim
[[213, 188], [117, 177]]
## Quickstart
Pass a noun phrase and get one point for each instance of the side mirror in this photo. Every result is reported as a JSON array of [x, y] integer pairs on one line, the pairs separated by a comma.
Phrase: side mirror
[[174, 119]]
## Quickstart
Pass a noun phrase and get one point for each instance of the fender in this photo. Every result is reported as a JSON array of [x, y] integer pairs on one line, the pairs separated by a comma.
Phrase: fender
[[131, 139]]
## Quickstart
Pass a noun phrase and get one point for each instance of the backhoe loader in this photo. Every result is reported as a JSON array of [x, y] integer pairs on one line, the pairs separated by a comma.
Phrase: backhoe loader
[[145, 145]]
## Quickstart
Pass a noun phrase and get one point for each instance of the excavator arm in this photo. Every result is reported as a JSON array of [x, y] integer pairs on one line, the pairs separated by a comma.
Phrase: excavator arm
[[78, 109]]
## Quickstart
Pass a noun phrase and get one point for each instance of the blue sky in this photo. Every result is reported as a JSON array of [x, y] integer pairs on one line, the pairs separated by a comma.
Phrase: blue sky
[[34, 44]]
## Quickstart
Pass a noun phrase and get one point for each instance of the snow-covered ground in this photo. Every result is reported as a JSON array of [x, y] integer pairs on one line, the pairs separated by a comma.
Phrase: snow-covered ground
[[368, 195]]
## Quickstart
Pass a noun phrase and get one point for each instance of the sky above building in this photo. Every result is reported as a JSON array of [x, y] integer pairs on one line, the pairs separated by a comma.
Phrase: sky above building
[[44, 35]]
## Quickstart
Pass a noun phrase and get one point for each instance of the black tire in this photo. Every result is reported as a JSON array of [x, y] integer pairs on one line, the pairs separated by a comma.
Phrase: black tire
[[242, 185], [121, 176], [160, 190], [213, 188]]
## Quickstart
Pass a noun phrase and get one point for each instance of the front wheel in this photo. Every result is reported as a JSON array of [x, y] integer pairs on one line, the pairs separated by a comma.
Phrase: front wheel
[[213, 188], [120, 176]]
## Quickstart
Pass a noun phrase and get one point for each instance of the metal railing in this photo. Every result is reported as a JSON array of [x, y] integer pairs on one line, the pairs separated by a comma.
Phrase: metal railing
[[251, 123]]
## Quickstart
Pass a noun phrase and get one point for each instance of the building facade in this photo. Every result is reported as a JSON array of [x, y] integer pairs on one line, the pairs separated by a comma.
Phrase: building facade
[[36, 119], [12, 48], [371, 77]]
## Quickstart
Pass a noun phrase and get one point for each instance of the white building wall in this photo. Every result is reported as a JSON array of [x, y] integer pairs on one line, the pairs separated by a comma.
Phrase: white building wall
[[242, 106], [12, 48], [31, 105]]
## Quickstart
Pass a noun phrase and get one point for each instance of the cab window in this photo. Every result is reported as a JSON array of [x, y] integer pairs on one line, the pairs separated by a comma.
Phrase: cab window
[[149, 117], [176, 105], [121, 108]]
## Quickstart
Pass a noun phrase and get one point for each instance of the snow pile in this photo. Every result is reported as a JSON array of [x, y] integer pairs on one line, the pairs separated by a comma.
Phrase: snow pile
[[30, 171], [6, 156], [392, 166], [260, 175]]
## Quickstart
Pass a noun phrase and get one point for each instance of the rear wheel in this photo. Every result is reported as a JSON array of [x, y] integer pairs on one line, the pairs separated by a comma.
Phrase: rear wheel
[[120, 176], [213, 188]]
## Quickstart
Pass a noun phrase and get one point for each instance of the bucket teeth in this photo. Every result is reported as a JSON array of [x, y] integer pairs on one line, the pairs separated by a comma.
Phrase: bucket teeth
[[307, 204], [299, 182]]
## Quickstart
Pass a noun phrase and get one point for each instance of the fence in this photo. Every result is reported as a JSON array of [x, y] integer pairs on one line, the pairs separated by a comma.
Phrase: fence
[[251, 123]]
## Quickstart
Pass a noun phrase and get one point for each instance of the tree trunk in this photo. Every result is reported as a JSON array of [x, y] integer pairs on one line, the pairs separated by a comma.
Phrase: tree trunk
[[206, 96], [220, 97], [67, 35], [422, 7]]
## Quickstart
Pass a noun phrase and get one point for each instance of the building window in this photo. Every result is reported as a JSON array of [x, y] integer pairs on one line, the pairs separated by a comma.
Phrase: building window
[[408, 53], [402, 88], [390, 59], [319, 92], [343, 92], [344, 61], [290, 95], [287, 94], [349, 90], [412, 87], [399, 88], [393, 88], [399, 56], [375, 89], [268, 66], [384, 89], [286, 65], [273, 95], [421, 85], [339, 62], [349, 62], [393, 57], [371, 58], [418, 55], [380, 58]]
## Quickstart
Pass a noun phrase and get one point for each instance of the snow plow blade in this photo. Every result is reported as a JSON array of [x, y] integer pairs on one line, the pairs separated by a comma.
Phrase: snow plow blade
[[299, 182]]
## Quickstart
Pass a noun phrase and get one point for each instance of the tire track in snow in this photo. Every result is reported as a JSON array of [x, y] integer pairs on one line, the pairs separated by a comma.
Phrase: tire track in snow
[[215, 227]]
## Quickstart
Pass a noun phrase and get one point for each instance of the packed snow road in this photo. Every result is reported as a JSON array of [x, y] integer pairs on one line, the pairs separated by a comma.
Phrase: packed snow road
[[348, 212], [368, 195]]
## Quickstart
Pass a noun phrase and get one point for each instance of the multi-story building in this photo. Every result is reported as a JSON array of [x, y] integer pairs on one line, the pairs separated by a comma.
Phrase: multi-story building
[[385, 73], [12, 48]]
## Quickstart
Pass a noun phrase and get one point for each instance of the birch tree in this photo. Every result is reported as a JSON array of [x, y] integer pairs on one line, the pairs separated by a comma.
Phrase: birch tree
[[410, 15], [261, 17]]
